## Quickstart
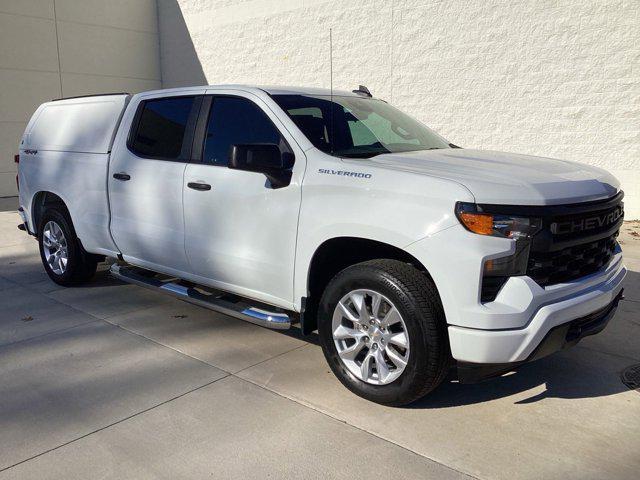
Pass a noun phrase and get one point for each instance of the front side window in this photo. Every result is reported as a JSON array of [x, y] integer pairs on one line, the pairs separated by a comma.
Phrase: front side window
[[357, 127], [161, 127], [236, 121]]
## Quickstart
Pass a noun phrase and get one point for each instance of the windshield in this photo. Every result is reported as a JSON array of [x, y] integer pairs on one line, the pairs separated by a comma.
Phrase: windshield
[[357, 127]]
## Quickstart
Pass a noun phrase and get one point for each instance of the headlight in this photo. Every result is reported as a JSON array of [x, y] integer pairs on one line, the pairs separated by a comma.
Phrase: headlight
[[496, 271], [505, 226]]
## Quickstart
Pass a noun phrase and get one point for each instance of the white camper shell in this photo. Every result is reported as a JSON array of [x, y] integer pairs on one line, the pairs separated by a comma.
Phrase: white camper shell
[[63, 139]]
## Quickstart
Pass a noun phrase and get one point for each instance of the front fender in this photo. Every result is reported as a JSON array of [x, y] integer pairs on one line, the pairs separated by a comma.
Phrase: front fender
[[388, 206]]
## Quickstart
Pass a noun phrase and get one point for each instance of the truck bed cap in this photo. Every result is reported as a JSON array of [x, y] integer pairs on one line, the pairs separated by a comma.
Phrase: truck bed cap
[[79, 124]]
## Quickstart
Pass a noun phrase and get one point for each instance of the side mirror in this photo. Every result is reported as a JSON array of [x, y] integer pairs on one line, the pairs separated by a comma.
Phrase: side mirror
[[263, 158]]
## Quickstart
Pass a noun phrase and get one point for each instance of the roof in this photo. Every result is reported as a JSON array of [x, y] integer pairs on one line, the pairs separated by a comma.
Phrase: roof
[[270, 89], [277, 90]]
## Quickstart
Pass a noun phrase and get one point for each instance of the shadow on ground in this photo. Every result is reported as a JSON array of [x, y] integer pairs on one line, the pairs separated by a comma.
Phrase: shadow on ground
[[563, 377]]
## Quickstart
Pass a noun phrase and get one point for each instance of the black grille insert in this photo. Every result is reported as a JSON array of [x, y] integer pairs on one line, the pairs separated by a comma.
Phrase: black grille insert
[[548, 268]]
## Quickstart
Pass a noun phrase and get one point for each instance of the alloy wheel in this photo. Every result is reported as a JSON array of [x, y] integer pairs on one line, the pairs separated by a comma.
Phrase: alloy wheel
[[370, 336], [54, 245]]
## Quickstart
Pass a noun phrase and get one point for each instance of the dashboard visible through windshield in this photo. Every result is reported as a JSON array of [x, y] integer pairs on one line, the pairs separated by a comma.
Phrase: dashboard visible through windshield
[[357, 127]]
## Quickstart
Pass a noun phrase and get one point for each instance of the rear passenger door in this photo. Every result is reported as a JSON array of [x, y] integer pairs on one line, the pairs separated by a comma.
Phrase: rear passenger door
[[240, 231], [145, 181]]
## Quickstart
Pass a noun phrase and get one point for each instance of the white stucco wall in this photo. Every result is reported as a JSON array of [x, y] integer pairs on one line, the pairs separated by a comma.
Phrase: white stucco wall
[[557, 78], [55, 48]]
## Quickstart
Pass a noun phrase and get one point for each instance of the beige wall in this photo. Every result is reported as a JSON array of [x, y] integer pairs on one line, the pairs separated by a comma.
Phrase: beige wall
[[558, 78], [54, 48]]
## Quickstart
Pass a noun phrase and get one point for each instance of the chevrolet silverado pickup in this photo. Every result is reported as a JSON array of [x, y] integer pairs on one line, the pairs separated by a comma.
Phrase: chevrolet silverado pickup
[[333, 211]]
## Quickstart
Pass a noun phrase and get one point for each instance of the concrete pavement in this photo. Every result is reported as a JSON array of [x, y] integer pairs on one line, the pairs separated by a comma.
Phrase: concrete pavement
[[113, 381]]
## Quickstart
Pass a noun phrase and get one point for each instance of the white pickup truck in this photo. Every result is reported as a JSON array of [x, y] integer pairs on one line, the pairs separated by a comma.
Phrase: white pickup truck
[[410, 256]]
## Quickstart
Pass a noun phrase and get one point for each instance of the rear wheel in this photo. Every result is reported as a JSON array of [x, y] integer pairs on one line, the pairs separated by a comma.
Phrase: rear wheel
[[383, 331], [63, 257]]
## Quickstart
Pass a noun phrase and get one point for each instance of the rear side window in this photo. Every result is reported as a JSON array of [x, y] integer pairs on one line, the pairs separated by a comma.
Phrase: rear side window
[[161, 127], [236, 121]]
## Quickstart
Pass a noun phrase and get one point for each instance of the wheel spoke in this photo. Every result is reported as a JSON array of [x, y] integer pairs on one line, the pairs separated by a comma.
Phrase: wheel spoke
[[376, 301], [346, 312], [54, 231], [381, 366], [399, 339], [342, 333], [46, 238], [395, 358], [50, 260], [350, 353], [365, 368], [361, 307], [391, 318]]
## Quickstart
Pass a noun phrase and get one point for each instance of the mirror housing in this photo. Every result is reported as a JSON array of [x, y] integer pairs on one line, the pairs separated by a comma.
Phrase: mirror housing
[[265, 158]]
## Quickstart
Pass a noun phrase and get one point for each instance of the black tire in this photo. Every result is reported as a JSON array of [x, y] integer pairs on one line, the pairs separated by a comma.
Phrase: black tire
[[417, 299], [81, 266]]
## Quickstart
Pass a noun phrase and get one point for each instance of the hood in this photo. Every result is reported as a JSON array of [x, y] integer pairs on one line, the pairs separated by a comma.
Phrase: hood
[[508, 178]]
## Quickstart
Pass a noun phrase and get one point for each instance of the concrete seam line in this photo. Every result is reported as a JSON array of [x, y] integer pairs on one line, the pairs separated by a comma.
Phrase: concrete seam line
[[197, 359], [165, 346], [267, 359], [110, 27], [24, 340], [55, 24], [112, 76], [104, 320], [113, 424], [326, 414]]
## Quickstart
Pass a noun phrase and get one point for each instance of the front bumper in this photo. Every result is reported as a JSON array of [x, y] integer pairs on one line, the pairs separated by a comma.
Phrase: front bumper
[[573, 302], [558, 338]]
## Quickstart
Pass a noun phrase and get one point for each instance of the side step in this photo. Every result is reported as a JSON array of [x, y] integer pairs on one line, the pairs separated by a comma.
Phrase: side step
[[212, 299]]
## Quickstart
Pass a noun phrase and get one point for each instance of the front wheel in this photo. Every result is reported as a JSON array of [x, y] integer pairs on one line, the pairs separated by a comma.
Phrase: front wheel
[[383, 331], [63, 257]]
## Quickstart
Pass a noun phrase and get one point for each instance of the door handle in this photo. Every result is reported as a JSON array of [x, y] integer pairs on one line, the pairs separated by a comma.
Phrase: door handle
[[122, 176], [199, 186]]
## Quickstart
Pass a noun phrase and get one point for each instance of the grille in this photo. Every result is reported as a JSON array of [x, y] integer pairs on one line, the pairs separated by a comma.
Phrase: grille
[[571, 263], [557, 257]]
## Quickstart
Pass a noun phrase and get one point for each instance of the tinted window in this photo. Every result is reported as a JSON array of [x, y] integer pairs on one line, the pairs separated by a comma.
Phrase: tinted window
[[235, 121], [162, 127]]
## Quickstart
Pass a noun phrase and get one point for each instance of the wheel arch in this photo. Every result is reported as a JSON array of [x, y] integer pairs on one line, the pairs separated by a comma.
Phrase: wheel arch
[[336, 254], [42, 200]]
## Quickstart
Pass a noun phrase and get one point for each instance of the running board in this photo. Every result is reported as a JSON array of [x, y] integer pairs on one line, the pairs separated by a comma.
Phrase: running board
[[212, 299]]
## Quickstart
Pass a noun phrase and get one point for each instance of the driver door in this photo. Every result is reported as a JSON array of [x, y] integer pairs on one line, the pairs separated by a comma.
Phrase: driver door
[[240, 231]]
